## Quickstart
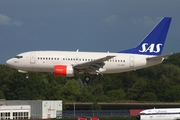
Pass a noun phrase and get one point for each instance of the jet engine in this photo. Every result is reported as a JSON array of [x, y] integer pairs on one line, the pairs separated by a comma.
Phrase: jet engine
[[63, 70]]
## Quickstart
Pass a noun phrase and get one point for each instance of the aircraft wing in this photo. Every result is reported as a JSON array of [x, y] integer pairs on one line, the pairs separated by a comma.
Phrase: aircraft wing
[[92, 66], [159, 57]]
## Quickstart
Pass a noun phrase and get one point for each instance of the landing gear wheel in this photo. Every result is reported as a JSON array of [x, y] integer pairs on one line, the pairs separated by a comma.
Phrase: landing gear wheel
[[87, 78], [27, 76]]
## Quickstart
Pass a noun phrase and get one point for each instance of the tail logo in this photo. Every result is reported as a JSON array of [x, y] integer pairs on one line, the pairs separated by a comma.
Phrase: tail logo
[[153, 48]]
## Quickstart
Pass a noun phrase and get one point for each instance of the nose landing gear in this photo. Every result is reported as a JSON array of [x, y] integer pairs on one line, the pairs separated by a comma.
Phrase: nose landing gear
[[27, 75]]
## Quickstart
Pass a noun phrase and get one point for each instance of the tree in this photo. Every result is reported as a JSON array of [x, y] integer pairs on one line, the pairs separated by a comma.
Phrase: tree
[[148, 96], [173, 59], [71, 90], [115, 95], [173, 94], [136, 90], [1, 95], [86, 95]]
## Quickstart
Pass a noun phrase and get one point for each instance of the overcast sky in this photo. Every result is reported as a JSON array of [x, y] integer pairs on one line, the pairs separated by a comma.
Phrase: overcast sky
[[87, 25]]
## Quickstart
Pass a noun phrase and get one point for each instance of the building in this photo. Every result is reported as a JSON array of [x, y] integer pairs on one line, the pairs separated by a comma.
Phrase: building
[[40, 109], [15, 112]]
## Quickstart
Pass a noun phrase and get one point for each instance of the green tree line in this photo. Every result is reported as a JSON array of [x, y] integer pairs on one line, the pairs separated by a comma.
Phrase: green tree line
[[160, 83]]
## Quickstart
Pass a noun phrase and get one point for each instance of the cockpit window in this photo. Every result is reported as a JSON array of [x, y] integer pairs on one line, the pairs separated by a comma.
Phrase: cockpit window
[[18, 57], [142, 113]]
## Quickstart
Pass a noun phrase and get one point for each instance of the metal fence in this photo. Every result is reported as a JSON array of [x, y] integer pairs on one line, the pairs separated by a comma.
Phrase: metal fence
[[95, 113]]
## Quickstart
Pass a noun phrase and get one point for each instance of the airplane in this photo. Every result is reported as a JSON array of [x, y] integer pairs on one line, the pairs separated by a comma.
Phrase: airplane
[[69, 63], [160, 114]]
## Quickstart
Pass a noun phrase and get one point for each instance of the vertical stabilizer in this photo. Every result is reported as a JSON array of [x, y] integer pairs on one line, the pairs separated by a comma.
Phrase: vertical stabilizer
[[154, 42]]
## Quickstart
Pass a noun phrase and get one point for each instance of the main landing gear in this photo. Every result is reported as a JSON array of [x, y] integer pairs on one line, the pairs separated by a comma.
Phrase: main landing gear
[[86, 78]]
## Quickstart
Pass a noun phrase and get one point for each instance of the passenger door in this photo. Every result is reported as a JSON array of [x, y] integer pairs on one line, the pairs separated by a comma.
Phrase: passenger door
[[131, 61], [32, 58]]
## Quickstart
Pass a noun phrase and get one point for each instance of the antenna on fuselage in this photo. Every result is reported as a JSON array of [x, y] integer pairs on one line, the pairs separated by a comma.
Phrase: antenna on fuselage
[[77, 50]]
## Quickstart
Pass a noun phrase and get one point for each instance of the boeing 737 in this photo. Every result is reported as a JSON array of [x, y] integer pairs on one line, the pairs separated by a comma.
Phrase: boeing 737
[[68, 63], [160, 114]]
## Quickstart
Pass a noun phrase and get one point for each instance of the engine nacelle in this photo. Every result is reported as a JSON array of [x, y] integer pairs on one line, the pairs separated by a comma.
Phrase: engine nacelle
[[63, 70]]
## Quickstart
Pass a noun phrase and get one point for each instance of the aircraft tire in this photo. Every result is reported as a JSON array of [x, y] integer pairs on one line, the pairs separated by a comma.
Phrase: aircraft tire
[[87, 78], [27, 76]]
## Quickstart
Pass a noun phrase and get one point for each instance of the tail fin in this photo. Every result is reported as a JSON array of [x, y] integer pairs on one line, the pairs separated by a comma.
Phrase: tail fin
[[153, 43]]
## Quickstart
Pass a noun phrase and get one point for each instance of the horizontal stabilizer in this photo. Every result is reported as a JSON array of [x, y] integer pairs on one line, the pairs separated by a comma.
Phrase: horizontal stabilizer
[[161, 56]]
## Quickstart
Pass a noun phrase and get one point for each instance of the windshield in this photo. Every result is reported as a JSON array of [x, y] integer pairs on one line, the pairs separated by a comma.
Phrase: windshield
[[18, 57]]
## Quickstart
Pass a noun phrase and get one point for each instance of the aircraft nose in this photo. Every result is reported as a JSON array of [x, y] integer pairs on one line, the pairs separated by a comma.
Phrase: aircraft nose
[[9, 62], [138, 117]]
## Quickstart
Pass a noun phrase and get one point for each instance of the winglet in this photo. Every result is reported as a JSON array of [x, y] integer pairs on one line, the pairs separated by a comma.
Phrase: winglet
[[153, 43]]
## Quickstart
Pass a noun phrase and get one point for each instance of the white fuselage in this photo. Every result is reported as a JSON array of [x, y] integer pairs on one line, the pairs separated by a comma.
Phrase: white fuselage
[[44, 61], [63, 63], [160, 114]]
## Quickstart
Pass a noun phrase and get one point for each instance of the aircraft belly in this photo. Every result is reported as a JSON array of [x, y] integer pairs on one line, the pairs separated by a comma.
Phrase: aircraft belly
[[159, 117], [43, 68]]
